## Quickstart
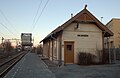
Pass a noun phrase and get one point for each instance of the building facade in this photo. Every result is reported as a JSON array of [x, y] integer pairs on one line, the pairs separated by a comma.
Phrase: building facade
[[82, 33], [114, 26]]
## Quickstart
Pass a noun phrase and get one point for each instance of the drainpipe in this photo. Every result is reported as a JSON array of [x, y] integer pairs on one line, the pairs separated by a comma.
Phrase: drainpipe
[[53, 37], [59, 61], [109, 51]]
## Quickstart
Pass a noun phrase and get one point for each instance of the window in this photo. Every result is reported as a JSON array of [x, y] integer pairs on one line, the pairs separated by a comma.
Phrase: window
[[69, 47], [111, 44]]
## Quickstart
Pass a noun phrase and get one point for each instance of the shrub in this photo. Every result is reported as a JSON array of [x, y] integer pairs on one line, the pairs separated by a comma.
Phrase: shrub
[[85, 58], [105, 56]]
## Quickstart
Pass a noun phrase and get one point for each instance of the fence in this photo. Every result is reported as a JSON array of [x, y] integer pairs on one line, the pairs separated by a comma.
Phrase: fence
[[111, 55], [106, 56], [117, 50]]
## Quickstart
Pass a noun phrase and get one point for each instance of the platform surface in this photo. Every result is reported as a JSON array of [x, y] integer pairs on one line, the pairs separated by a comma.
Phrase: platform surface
[[30, 66]]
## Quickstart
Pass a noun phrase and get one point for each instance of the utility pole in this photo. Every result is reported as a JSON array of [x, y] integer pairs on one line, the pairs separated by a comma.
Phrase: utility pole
[[33, 42], [3, 44], [2, 40]]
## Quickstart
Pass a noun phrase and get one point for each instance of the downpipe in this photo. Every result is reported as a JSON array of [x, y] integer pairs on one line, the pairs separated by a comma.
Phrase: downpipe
[[59, 61]]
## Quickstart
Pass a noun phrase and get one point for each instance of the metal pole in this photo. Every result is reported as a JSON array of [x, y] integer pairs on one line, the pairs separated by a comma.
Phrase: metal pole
[[2, 40], [114, 54], [33, 42], [3, 44], [109, 56], [109, 52]]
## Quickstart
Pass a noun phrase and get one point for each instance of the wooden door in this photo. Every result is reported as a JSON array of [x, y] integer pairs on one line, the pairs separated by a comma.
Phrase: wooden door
[[69, 51]]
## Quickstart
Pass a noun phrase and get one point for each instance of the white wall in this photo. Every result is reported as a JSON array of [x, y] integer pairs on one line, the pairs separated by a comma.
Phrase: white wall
[[83, 44]]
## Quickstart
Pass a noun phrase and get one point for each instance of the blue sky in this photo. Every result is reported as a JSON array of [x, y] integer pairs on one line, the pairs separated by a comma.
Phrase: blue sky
[[20, 15]]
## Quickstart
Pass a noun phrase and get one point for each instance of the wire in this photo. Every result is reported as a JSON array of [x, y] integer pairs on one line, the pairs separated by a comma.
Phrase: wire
[[4, 34], [8, 29], [8, 21], [37, 13], [40, 14]]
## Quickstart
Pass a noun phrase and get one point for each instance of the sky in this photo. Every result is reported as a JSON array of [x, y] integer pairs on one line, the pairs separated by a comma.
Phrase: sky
[[23, 16]]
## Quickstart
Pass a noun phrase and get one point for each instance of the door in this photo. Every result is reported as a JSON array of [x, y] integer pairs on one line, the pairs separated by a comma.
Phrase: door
[[69, 51]]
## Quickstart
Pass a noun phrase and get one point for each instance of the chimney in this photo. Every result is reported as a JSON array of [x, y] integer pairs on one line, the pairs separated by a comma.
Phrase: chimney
[[85, 6], [71, 15]]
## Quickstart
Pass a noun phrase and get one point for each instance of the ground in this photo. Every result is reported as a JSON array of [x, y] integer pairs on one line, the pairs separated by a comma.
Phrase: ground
[[31, 66], [93, 71]]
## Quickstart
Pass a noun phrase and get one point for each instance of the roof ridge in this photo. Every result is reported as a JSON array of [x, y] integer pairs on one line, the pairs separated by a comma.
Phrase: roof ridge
[[65, 24]]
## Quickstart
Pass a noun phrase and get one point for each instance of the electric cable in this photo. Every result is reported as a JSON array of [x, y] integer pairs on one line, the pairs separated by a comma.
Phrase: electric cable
[[8, 21], [37, 13], [8, 29], [40, 14]]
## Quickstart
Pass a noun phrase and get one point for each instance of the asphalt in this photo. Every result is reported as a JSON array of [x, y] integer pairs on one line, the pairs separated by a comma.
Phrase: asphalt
[[93, 71], [31, 66]]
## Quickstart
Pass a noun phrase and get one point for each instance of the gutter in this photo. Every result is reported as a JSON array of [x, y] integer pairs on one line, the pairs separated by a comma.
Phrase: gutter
[[53, 37], [59, 60]]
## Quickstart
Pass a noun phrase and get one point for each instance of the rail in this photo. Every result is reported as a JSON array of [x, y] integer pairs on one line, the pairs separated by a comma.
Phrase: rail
[[7, 65]]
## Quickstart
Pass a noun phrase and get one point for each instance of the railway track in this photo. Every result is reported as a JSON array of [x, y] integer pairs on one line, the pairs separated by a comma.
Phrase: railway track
[[7, 65]]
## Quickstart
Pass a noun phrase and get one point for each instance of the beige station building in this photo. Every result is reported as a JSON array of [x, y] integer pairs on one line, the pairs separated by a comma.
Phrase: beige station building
[[81, 33], [114, 26]]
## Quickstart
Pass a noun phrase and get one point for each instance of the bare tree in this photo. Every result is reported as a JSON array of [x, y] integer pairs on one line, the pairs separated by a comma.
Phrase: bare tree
[[40, 49], [7, 46]]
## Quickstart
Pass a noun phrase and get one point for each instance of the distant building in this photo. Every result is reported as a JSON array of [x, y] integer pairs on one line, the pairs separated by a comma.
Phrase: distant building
[[114, 26], [82, 33]]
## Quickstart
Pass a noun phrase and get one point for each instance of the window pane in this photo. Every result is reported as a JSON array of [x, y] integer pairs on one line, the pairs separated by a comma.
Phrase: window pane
[[69, 47]]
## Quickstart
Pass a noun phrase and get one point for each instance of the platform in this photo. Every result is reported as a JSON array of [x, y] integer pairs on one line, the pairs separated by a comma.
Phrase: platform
[[30, 66]]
